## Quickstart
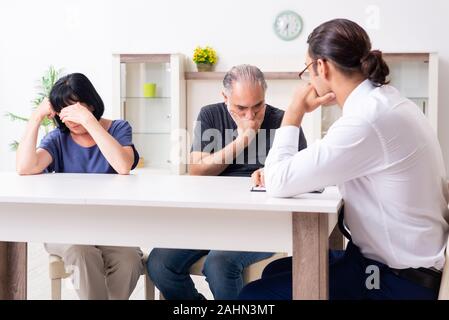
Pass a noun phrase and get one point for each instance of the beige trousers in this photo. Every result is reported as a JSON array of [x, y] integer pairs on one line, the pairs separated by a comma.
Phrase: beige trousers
[[101, 272]]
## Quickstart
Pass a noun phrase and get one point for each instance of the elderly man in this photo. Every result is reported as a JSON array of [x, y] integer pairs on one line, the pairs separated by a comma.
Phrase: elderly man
[[231, 138]]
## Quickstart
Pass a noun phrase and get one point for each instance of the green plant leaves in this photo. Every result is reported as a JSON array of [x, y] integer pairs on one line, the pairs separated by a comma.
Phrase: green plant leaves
[[45, 84], [14, 117], [14, 145]]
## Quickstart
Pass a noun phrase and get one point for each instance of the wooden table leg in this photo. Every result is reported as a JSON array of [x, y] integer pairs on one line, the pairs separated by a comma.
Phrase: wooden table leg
[[13, 270], [310, 256], [336, 240]]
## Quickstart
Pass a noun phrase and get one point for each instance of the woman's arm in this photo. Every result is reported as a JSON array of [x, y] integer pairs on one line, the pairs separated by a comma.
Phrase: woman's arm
[[119, 157], [28, 159]]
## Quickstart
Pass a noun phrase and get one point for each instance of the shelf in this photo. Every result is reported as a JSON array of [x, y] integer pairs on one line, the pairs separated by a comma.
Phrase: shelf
[[152, 119], [293, 75], [401, 57], [144, 58], [215, 75]]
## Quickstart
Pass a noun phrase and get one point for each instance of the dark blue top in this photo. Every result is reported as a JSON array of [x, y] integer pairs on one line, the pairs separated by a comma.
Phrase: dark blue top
[[69, 157]]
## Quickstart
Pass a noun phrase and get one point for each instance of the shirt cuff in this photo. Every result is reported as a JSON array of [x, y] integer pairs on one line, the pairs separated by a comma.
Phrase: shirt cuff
[[287, 136]]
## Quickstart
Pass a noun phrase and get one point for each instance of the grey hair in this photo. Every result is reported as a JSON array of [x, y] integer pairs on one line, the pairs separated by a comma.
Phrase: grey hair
[[243, 72]]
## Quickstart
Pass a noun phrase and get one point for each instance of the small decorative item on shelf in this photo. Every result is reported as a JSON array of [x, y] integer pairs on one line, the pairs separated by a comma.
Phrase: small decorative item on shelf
[[149, 90], [205, 58]]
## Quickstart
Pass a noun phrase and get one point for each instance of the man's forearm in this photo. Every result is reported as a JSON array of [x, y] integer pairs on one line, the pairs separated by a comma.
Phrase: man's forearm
[[217, 162], [292, 117]]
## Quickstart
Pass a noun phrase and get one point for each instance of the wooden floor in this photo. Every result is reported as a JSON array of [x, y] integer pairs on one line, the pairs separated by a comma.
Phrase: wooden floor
[[39, 282]]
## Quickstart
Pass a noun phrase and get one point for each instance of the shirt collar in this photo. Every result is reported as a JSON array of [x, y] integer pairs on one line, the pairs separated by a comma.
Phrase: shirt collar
[[355, 98]]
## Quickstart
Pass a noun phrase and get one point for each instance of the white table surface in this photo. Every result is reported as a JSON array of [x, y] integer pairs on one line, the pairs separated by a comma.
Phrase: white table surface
[[156, 191]]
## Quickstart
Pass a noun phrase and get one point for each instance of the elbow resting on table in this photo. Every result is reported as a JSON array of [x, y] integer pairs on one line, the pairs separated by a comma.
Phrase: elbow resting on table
[[202, 170], [276, 186], [277, 192], [123, 171], [24, 171], [194, 170]]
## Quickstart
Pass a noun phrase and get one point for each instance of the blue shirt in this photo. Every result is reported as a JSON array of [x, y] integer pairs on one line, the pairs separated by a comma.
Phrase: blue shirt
[[69, 157]]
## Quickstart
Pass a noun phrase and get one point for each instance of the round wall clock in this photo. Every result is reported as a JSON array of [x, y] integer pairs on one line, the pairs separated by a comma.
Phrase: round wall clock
[[287, 25]]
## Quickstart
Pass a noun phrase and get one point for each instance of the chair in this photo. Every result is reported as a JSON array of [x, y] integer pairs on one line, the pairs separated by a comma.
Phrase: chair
[[250, 273], [444, 286], [58, 272]]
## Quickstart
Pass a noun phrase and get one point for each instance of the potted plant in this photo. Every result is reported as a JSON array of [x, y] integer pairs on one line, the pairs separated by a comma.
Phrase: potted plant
[[46, 83], [205, 58]]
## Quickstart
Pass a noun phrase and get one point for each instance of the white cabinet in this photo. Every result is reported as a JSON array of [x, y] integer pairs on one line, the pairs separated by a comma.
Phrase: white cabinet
[[415, 75], [149, 92]]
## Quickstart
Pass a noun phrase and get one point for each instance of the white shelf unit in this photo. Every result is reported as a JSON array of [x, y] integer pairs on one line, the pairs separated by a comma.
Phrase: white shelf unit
[[415, 75], [158, 122]]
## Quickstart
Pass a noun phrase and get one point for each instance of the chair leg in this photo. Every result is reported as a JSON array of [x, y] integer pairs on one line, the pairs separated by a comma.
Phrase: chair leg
[[56, 289], [149, 288]]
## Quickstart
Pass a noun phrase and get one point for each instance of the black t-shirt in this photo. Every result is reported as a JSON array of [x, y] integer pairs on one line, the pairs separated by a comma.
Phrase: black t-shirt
[[215, 129]]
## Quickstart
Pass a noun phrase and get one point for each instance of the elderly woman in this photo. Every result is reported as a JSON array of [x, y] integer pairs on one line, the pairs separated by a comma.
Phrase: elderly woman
[[84, 142]]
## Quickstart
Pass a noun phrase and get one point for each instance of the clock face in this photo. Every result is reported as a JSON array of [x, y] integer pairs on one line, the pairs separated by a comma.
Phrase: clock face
[[287, 25]]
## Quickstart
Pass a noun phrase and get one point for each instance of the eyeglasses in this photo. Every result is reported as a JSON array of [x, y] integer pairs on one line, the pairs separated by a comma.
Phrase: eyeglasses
[[305, 69]]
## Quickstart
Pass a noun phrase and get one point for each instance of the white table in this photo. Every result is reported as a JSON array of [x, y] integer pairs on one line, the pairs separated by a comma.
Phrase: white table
[[164, 211]]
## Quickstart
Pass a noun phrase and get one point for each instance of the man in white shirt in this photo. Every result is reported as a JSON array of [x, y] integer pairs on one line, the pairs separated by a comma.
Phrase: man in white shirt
[[386, 160]]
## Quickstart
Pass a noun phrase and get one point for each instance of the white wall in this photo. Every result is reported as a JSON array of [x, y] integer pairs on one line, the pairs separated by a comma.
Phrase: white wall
[[81, 36]]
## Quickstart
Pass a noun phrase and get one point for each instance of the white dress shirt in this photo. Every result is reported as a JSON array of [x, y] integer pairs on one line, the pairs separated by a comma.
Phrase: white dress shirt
[[387, 162]]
